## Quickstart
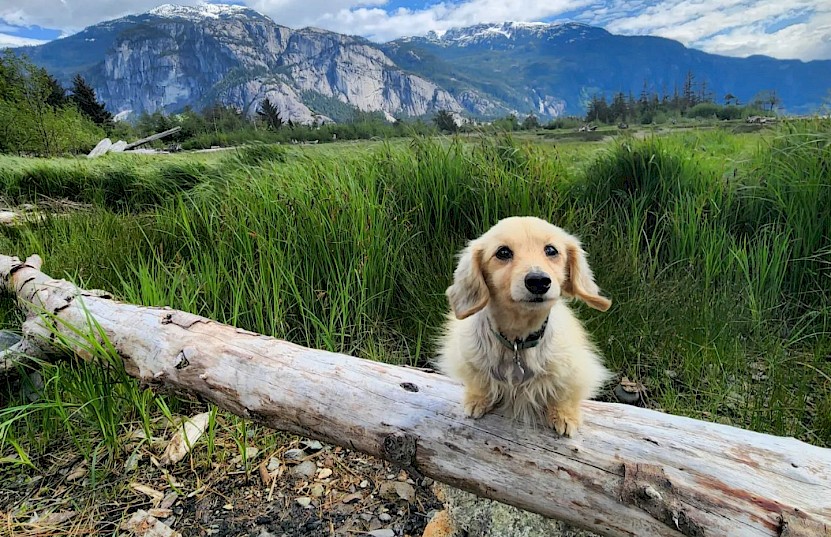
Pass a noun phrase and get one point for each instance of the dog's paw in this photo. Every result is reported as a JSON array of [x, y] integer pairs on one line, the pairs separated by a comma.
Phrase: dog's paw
[[476, 406], [564, 418]]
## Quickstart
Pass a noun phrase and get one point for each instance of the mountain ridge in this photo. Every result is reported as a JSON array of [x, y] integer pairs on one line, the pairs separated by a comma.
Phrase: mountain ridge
[[175, 56]]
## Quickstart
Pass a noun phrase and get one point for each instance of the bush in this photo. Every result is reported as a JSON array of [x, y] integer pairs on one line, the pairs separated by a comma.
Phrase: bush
[[704, 110]]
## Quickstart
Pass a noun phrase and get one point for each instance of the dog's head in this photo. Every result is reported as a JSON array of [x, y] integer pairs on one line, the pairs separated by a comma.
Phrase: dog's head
[[522, 264]]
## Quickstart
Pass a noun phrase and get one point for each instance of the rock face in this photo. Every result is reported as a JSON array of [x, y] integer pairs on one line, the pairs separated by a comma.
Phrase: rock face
[[174, 56]]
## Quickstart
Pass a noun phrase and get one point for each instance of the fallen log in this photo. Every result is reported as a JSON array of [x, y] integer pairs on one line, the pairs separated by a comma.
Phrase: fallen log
[[151, 138], [628, 472]]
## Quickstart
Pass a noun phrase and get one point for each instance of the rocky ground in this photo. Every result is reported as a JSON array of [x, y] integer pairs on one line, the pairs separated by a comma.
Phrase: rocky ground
[[301, 488]]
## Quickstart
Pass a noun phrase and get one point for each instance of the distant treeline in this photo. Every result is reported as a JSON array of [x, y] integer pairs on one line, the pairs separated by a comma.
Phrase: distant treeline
[[694, 100], [222, 125]]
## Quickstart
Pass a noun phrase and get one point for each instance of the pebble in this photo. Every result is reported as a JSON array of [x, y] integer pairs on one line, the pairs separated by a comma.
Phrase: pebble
[[366, 517], [397, 490], [324, 473], [273, 464], [364, 484], [312, 445], [304, 501], [382, 533], [317, 490], [384, 517], [305, 469], [295, 454]]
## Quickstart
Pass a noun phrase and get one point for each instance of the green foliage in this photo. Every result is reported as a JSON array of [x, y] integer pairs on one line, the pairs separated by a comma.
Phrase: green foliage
[[35, 116], [445, 121], [706, 110], [530, 123]]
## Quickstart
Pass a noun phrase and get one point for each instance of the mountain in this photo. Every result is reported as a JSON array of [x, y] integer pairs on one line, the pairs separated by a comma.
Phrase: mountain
[[553, 69], [174, 56]]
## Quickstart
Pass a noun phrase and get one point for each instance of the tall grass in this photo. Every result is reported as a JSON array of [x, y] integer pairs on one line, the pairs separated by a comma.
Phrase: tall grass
[[717, 263]]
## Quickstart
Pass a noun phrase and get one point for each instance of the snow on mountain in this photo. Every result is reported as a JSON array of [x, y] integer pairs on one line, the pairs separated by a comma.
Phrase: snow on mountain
[[509, 31], [203, 11]]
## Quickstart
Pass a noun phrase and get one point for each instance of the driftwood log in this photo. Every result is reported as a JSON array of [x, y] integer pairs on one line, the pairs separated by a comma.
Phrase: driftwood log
[[628, 472], [152, 138]]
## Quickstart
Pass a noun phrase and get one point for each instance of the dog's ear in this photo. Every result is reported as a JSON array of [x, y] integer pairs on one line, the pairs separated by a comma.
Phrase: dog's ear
[[580, 281], [469, 292]]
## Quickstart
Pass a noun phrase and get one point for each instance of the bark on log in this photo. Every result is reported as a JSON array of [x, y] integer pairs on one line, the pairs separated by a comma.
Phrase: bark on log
[[628, 472]]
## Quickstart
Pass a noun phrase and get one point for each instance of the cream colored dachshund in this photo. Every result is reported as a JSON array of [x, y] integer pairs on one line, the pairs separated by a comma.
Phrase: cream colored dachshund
[[511, 339]]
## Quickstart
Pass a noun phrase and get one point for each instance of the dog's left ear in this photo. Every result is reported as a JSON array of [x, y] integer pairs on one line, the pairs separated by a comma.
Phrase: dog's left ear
[[469, 292], [580, 282]]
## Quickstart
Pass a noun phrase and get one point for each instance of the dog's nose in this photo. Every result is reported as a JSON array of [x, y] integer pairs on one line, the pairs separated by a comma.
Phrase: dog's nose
[[537, 282]]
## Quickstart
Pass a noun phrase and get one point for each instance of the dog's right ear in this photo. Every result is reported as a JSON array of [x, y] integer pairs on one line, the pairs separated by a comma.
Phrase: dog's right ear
[[469, 292]]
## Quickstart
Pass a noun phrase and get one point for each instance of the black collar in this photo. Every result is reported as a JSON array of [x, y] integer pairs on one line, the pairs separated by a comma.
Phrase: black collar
[[517, 345]]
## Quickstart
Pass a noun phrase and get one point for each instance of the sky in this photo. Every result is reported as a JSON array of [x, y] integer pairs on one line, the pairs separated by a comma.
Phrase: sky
[[786, 29]]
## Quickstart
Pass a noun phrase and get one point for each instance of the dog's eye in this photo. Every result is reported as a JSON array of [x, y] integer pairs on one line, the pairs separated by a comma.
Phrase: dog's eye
[[504, 253], [550, 251]]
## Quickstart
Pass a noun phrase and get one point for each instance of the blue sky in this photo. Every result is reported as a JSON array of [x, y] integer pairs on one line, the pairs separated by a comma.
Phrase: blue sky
[[798, 29]]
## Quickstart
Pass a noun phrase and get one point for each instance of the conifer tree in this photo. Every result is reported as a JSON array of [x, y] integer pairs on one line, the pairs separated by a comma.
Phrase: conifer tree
[[87, 102]]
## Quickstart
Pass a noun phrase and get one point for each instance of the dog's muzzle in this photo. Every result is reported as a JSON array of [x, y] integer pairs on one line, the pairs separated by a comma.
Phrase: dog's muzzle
[[538, 283]]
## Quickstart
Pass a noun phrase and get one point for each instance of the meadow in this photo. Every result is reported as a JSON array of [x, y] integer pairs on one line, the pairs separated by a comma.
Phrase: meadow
[[715, 248]]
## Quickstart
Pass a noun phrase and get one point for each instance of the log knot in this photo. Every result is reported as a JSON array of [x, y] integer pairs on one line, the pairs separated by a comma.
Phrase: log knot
[[647, 487], [400, 448]]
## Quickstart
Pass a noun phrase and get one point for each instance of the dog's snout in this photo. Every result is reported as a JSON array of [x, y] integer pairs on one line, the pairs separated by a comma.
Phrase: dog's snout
[[538, 282]]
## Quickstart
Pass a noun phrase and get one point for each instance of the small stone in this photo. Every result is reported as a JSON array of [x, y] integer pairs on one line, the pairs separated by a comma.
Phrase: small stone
[[305, 469], [364, 484], [410, 481], [312, 445], [397, 490], [366, 517], [349, 498], [323, 473], [384, 517], [317, 490], [382, 533], [304, 501], [273, 464], [228, 506], [294, 454]]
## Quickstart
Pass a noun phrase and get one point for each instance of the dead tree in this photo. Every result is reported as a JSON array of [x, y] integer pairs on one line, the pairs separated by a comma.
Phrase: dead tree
[[628, 472]]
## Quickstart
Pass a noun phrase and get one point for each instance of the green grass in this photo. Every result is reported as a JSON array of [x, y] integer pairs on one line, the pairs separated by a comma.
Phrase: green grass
[[709, 243]]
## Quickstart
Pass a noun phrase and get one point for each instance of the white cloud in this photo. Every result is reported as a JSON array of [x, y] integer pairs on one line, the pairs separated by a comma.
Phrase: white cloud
[[737, 27], [73, 15], [7, 40], [380, 25]]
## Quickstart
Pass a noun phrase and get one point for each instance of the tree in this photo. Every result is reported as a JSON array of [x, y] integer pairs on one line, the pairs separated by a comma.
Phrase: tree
[[34, 117], [445, 121], [57, 93], [87, 102], [269, 114], [530, 123], [618, 109]]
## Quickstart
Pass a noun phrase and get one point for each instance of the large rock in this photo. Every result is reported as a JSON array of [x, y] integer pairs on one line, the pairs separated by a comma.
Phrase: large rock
[[468, 514]]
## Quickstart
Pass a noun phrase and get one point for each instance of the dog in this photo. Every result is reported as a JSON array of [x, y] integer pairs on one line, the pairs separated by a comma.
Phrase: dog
[[510, 337]]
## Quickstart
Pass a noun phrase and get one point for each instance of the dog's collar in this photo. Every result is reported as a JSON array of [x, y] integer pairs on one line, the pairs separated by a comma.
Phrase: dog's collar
[[517, 345]]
